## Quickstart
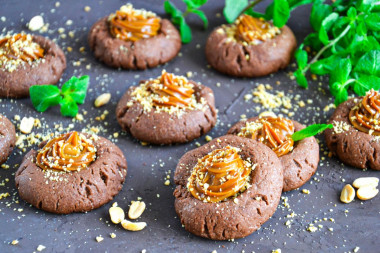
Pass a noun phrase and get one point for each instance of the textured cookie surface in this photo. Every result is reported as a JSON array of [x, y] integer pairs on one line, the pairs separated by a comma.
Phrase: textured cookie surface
[[232, 218], [48, 71], [235, 59], [300, 164], [142, 54], [165, 128], [78, 191], [350, 145], [7, 138]]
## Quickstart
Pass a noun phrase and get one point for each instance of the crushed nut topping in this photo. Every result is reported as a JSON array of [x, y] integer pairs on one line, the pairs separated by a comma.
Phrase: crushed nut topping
[[219, 175], [18, 49], [365, 115], [275, 132], [131, 24], [68, 152]]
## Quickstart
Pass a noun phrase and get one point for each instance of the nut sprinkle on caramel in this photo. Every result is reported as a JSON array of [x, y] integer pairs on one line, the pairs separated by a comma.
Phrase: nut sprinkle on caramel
[[67, 152], [275, 132], [219, 175], [365, 115], [132, 24], [18, 49]]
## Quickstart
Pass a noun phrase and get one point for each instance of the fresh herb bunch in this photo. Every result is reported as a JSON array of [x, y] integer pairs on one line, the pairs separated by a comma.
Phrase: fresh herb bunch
[[310, 131], [346, 38], [278, 10], [73, 92], [178, 17]]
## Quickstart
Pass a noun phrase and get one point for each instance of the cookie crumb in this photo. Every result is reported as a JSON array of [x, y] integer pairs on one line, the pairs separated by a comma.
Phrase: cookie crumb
[[112, 235], [356, 249], [87, 8], [99, 238], [305, 191], [41, 247], [14, 242]]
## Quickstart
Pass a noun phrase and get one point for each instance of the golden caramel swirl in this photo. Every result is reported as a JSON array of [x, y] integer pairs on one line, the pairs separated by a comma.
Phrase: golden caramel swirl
[[132, 25], [219, 175], [171, 90], [20, 46], [275, 132], [365, 115], [68, 152], [250, 29]]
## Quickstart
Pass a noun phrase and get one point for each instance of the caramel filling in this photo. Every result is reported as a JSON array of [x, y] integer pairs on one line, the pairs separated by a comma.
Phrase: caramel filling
[[365, 115], [19, 47], [171, 91], [219, 175], [276, 133], [68, 152], [132, 25], [253, 30]]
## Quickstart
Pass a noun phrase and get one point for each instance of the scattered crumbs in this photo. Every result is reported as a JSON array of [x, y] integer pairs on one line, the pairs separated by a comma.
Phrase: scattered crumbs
[[99, 238], [276, 251], [356, 249], [167, 182], [41, 247], [311, 228], [340, 127], [14, 242], [305, 191], [269, 100], [112, 235]]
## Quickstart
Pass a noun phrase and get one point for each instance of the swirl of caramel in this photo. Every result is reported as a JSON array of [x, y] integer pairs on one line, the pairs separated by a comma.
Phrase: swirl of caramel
[[171, 90], [67, 152], [365, 115], [274, 132], [251, 29], [219, 175], [132, 25], [20, 46]]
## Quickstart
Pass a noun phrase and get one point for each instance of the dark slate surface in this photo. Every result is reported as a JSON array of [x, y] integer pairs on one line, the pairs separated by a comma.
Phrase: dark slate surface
[[345, 227]]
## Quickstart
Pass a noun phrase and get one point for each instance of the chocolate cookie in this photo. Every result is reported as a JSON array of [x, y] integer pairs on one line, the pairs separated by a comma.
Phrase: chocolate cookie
[[352, 146], [233, 50], [117, 43], [35, 60], [301, 160], [166, 110], [238, 215], [88, 173], [7, 138]]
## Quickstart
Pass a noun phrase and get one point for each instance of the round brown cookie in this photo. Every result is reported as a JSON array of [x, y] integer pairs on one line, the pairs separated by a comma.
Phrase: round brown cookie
[[234, 218], [7, 138], [48, 70], [75, 191], [235, 59], [300, 164], [160, 127], [352, 146], [141, 54]]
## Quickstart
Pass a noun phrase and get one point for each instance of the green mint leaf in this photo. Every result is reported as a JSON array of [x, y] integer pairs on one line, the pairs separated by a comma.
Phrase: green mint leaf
[[364, 83], [269, 11], [318, 13], [351, 13], [194, 4], [68, 107], [44, 96], [373, 21], [326, 26], [339, 91], [293, 4], [300, 78], [310, 131], [233, 8], [301, 57], [341, 71], [369, 63], [76, 88], [281, 12], [365, 5], [185, 31], [313, 41], [202, 16], [325, 65], [255, 14], [172, 11]]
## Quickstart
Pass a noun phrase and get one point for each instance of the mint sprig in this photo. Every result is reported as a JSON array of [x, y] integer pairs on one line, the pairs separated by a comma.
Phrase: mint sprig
[[178, 17], [310, 131], [278, 10], [346, 39], [73, 92]]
